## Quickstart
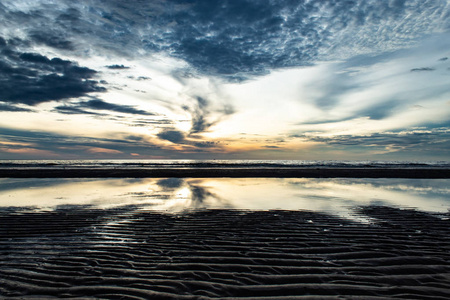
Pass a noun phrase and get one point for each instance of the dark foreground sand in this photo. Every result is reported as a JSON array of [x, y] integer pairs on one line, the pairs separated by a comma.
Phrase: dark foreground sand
[[131, 254]]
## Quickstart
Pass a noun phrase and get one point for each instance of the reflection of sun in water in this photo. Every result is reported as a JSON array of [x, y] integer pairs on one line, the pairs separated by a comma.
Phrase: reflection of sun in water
[[183, 194], [180, 200]]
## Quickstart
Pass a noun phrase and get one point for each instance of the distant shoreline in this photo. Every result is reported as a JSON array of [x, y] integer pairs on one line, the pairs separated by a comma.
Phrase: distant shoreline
[[297, 172]]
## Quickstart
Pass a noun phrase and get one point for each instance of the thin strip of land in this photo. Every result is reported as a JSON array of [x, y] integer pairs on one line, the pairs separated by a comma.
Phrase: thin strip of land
[[434, 173]]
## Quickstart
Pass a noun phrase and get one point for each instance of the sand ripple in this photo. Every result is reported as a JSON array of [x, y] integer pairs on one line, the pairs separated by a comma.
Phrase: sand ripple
[[136, 254]]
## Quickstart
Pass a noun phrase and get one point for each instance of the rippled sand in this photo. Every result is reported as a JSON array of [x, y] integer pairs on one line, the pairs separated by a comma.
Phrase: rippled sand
[[129, 253]]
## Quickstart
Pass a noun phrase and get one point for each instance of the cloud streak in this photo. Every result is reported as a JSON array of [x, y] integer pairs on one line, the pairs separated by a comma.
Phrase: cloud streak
[[13, 108], [91, 107], [431, 140], [97, 104], [381, 87], [55, 145]]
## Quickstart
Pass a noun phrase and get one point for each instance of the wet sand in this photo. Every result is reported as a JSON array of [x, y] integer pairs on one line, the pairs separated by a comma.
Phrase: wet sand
[[129, 253], [292, 172]]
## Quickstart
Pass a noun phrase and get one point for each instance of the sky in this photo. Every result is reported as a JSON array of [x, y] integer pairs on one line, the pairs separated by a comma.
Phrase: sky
[[232, 79]]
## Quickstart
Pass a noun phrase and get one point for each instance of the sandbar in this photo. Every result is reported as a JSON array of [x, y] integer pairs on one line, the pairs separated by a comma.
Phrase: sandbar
[[292, 172]]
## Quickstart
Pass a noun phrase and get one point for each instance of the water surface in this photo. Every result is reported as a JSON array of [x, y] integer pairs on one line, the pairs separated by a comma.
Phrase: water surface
[[173, 195], [183, 163]]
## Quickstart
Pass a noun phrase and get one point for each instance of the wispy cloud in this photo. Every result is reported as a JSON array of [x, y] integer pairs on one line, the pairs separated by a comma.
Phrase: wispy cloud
[[426, 141], [379, 87], [33, 143], [16, 141]]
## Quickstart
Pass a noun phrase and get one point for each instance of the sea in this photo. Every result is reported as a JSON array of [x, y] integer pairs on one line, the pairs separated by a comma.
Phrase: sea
[[335, 196]]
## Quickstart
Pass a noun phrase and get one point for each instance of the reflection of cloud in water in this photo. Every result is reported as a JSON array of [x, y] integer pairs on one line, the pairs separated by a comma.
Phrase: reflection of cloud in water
[[176, 194], [170, 183], [8, 184], [423, 186], [201, 196], [198, 194], [336, 196]]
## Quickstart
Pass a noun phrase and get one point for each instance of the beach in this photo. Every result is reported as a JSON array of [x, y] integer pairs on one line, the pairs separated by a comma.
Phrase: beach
[[132, 253], [276, 235]]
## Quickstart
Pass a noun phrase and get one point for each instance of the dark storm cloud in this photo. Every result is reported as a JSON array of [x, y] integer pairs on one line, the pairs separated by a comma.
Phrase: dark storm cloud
[[55, 65], [32, 78], [51, 41], [233, 39], [237, 39]]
